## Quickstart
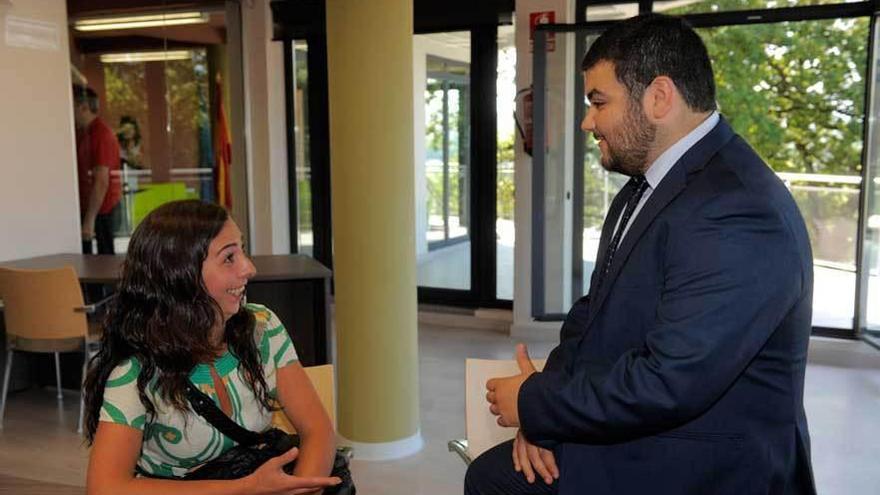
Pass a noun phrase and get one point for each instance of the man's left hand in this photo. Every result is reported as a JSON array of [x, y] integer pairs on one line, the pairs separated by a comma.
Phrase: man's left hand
[[503, 392], [87, 233]]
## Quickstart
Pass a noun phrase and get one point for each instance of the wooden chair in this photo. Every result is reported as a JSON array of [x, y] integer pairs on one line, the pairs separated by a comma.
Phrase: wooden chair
[[323, 378], [481, 429], [44, 312]]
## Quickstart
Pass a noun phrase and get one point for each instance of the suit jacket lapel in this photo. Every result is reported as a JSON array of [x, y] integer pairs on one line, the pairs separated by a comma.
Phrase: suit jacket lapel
[[672, 184]]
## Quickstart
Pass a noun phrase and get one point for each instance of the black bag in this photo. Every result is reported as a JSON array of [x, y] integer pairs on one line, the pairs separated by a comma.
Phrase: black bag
[[253, 449]]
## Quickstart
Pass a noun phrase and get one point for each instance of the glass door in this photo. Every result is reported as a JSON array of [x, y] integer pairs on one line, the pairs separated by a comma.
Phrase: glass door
[[794, 87], [599, 187], [443, 160], [456, 78], [308, 140], [172, 103], [505, 232], [795, 91], [302, 234], [869, 280]]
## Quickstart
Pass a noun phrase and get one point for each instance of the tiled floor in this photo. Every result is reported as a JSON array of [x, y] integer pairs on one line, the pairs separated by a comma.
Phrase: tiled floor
[[843, 405]]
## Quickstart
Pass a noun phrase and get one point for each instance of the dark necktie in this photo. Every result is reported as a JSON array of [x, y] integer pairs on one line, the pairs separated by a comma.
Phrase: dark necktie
[[637, 186]]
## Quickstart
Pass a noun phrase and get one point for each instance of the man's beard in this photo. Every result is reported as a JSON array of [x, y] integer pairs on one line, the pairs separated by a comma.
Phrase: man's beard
[[632, 142]]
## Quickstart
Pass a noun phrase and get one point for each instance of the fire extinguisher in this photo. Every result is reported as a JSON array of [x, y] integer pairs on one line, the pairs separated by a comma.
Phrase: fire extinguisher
[[525, 126]]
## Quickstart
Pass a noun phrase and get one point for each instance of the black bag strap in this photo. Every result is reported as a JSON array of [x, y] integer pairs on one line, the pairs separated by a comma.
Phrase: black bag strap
[[204, 406]]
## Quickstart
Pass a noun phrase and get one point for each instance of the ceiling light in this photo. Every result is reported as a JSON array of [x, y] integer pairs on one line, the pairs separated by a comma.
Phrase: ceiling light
[[115, 58], [140, 21]]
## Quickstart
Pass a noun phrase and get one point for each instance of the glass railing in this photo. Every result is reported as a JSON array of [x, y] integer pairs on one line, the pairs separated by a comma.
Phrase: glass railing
[[830, 207], [447, 202]]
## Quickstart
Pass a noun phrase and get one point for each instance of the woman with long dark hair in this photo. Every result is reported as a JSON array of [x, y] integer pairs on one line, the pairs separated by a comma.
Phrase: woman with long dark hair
[[179, 316], [129, 137]]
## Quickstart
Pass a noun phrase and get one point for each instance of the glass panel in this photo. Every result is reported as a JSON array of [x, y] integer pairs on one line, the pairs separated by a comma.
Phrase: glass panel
[[679, 7], [159, 97], [599, 188], [871, 235], [504, 188], [795, 92], [444, 250], [162, 116], [305, 235], [553, 165], [126, 92], [189, 124]]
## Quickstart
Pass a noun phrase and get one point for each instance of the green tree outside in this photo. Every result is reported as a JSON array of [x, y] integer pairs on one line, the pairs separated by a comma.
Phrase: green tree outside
[[795, 91]]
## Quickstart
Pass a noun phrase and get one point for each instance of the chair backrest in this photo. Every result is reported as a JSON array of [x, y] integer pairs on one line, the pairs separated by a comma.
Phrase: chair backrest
[[41, 304], [481, 429], [323, 379]]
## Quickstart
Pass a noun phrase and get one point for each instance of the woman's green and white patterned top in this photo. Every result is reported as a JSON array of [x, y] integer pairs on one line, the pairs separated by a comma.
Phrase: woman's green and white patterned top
[[174, 442]]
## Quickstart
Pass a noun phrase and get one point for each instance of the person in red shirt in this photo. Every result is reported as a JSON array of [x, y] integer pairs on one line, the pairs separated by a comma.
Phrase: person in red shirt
[[97, 156]]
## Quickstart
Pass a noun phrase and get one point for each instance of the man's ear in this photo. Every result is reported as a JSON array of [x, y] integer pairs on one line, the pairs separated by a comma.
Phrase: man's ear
[[660, 97]]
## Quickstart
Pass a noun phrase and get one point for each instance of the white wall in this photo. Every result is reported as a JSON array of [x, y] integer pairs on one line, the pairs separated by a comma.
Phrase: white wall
[[39, 208]]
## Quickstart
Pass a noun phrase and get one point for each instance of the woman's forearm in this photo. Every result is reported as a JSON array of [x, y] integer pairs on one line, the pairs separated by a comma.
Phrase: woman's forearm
[[317, 450]]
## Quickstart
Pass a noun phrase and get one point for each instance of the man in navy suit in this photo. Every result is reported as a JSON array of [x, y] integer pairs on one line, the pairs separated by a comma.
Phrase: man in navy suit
[[682, 372]]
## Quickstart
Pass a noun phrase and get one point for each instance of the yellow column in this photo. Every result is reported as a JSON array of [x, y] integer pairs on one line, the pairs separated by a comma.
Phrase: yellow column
[[369, 46]]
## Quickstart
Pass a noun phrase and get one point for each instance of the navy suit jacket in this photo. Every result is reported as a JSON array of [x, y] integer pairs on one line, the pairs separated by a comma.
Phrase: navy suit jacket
[[684, 373]]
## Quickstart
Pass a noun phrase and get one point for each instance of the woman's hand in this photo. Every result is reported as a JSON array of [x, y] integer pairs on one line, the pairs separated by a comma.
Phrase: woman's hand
[[117, 447], [270, 479]]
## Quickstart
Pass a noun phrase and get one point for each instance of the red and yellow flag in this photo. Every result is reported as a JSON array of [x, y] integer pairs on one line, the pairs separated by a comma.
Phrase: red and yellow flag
[[222, 149]]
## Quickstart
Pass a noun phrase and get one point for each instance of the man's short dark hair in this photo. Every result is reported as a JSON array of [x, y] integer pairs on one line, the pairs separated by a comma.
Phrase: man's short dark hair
[[86, 94], [651, 45]]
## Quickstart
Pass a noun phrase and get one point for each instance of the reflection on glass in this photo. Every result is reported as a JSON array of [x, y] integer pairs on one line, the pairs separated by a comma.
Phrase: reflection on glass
[[190, 131], [177, 133], [126, 91], [305, 235], [504, 208], [162, 97], [444, 250]]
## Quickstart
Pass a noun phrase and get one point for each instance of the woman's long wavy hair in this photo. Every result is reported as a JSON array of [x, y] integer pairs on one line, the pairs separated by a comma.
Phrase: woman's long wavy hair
[[162, 314]]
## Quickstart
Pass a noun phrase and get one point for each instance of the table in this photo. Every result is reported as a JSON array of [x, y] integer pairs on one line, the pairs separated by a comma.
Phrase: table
[[294, 286]]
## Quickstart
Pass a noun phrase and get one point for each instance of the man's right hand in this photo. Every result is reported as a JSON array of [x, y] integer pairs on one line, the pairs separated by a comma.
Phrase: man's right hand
[[530, 459]]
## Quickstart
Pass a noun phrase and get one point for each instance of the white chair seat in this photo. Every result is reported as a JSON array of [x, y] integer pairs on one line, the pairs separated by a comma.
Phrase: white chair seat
[[481, 428]]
